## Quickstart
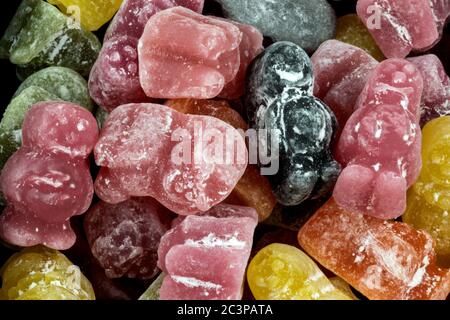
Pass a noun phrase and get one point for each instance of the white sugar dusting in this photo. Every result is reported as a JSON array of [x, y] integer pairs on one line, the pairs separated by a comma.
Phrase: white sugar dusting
[[196, 283]]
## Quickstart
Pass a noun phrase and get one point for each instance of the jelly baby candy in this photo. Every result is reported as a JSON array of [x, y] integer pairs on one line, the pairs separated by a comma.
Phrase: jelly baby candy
[[341, 71], [351, 30], [64, 83], [204, 257], [436, 87], [47, 180], [42, 36], [441, 11], [114, 79], [92, 14], [429, 198], [343, 286], [152, 150], [43, 274], [396, 28], [134, 14], [199, 54], [381, 259], [283, 272], [380, 144], [253, 189], [279, 99], [152, 292], [124, 238], [11, 124], [288, 20]]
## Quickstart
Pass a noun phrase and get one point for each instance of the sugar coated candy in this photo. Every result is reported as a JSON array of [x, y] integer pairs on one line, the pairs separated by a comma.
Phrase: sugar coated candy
[[304, 22], [42, 36], [436, 87], [40, 273], [381, 259], [133, 15], [351, 30], [11, 124], [380, 144], [251, 45], [341, 72], [124, 237], [396, 28], [279, 99], [200, 55], [204, 257], [188, 163], [429, 198], [47, 180], [62, 82], [283, 272], [114, 78], [253, 189], [92, 14]]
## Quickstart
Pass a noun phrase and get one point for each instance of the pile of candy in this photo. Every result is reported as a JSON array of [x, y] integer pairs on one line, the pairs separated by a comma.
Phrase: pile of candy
[[229, 149]]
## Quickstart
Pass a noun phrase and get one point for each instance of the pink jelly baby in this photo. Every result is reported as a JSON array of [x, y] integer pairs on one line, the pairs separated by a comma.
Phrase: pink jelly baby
[[205, 256], [47, 180], [400, 26], [381, 143], [124, 237], [183, 54], [189, 163], [436, 87], [114, 78], [341, 71]]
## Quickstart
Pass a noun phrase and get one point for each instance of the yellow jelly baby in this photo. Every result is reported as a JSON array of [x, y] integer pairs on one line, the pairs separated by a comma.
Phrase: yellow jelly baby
[[282, 272], [92, 14], [429, 199], [40, 273]]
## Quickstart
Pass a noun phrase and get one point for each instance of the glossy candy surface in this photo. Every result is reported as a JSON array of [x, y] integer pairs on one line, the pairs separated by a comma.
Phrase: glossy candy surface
[[279, 99], [47, 180], [39, 273], [381, 259], [282, 272], [429, 197]]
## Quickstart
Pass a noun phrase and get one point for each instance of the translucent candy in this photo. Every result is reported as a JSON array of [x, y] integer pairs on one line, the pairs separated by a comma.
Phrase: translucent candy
[[253, 189], [43, 274], [124, 238], [396, 28], [152, 150], [171, 42], [288, 20], [40, 35], [282, 272], [351, 30], [436, 87], [114, 79], [134, 14], [429, 199], [341, 71], [381, 259], [380, 144], [11, 124], [47, 180], [279, 99], [204, 257], [92, 14]]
